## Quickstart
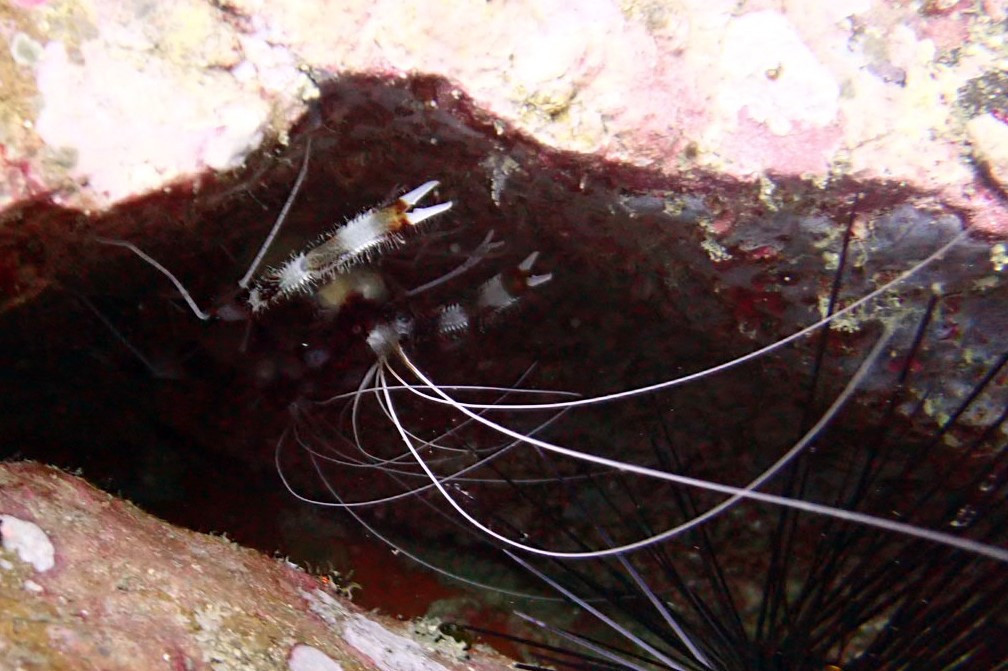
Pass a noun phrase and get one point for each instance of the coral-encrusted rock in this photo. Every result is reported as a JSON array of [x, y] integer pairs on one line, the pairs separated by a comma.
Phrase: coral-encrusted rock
[[88, 581], [112, 101], [106, 101]]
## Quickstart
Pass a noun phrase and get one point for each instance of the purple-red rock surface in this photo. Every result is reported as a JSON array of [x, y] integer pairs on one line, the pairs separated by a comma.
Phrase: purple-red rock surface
[[90, 582]]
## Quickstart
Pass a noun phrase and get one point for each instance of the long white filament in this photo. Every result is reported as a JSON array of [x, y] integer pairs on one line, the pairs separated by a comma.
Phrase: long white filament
[[736, 493], [454, 476], [433, 567], [161, 269], [247, 277], [707, 372]]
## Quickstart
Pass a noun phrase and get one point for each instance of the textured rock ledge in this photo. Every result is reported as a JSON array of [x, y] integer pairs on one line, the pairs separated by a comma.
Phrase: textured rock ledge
[[88, 581], [113, 100], [116, 99]]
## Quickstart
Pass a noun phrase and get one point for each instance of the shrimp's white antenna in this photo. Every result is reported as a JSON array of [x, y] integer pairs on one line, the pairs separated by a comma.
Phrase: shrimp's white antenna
[[164, 271], [488, 245], [384, 539], [706, 372], [244, 281], [735, 493], [455, 476]]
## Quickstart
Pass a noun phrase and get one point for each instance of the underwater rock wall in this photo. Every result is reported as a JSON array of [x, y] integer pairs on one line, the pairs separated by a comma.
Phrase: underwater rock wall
[[112, 100], [88, 581]]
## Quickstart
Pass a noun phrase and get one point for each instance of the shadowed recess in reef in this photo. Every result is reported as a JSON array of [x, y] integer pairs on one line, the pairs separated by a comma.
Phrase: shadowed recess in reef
[[651, 278]]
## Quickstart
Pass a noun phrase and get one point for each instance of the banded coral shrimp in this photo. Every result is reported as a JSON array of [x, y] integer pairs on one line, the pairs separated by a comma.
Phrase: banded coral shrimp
[[330, 287]]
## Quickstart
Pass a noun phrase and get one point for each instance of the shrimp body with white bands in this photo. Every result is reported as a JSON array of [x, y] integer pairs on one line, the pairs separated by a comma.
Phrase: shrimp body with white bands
[[355, 243], [334, 255]]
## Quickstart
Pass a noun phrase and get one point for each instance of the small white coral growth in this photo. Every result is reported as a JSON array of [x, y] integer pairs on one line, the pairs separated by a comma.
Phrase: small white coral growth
[[389, 651], [31, 544], [307, 658]]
